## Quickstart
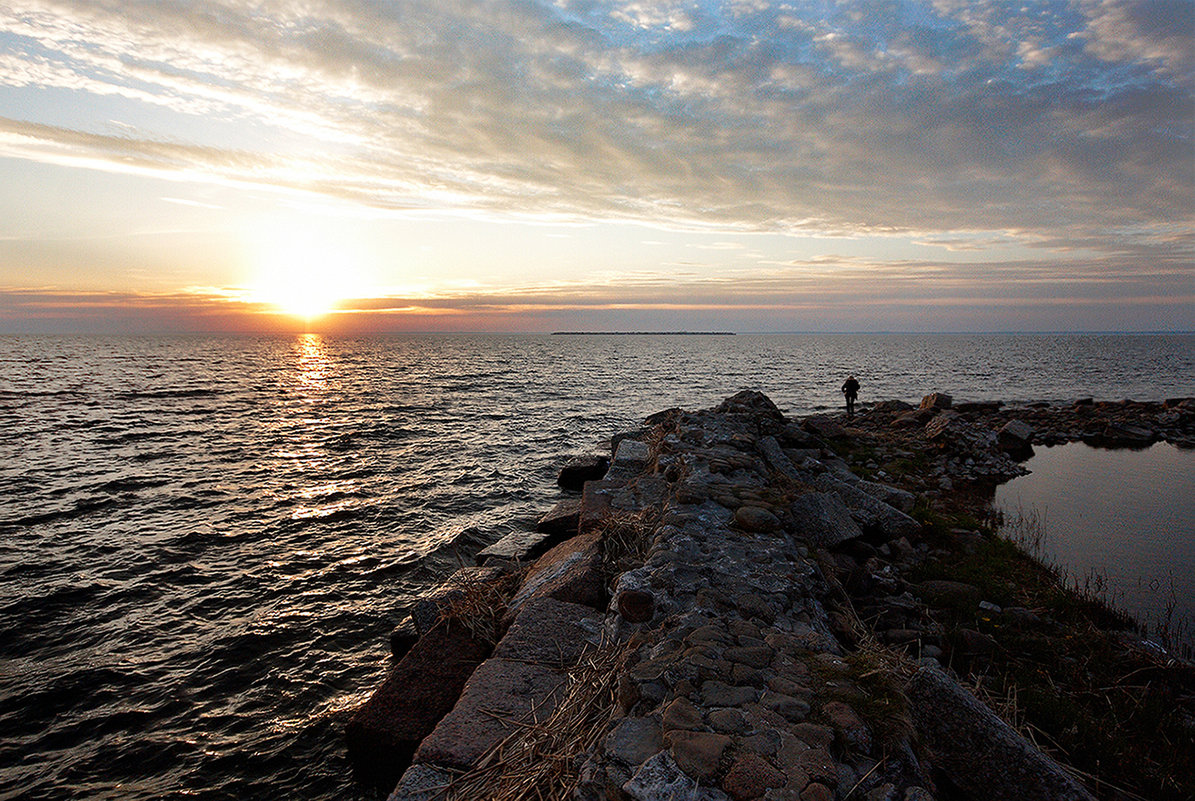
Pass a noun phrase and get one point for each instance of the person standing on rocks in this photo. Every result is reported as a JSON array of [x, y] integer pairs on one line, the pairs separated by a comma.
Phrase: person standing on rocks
[[851, 390]]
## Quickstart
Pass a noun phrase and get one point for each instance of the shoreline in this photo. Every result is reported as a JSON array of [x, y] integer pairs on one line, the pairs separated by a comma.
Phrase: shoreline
[[778, 608]]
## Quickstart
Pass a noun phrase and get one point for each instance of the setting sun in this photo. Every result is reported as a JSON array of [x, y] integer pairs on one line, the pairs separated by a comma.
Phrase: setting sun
[[306, 273]]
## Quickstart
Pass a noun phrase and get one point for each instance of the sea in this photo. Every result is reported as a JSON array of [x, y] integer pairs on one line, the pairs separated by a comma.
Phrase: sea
[[205, 540]]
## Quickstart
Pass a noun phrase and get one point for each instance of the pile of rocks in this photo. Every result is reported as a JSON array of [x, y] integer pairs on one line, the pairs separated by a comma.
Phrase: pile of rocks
[[742, 678]]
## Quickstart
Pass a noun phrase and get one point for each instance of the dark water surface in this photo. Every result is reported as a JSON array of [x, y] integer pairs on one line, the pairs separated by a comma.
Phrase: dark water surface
[[204, 541], [1122, 516]]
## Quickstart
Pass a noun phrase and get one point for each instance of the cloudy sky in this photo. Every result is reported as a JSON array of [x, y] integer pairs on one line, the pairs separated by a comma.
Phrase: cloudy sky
[[579, 164]]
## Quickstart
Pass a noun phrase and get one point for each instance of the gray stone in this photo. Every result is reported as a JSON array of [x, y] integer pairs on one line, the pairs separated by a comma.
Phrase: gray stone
[[634, 740], [661, 779], [869, 512], [823, 427], [1015, 436], [501, 695], [824, 519], [893, 496], [421, 783], [980, 753], [579, 469], [518, 546], [716, 693], [551, 633], [936, 400], [755, 518]]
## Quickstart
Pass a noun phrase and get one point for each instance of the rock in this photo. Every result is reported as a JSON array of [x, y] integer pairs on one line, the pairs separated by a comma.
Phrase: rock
[[550, 633], [630, 459], [403, 637], [518, 546], [579, 469], [570, 572], [891, 407], [429, 609], [562, 519], [1015, 436], [750, 402], [1124, 435], [824, 519], [636, 606], [893, 496], [634, 740], [936, 400], [661, 779], [717, 693], [952, 594], [976, 643], [817, 792], [384, 733], [755, 518], [422, 783], [869, 512], [980, 753], [824, 427], [699, 753], [943, 425], [854, 731], [501, 695], [682, 714], [750, 777]]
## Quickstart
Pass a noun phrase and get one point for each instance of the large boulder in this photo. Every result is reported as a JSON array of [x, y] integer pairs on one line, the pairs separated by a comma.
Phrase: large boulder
[[501, 696], [562, 518], [550, 633], [980, 753], [579, 469], [824, 519], [1015, 436], [936, 400], [383, 734], [824, 427], [570, 572]]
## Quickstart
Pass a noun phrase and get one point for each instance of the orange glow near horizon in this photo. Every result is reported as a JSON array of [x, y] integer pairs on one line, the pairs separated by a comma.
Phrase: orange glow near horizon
[[305, 273]]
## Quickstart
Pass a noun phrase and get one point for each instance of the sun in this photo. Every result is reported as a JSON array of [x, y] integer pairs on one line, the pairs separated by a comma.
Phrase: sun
[[304, 272]]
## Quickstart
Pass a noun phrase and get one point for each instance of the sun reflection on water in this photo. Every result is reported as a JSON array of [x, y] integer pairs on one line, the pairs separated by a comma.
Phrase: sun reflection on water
[[313, 361]]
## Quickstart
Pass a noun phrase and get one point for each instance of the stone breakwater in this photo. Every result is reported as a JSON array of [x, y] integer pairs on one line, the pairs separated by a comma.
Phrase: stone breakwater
[[683, 630]]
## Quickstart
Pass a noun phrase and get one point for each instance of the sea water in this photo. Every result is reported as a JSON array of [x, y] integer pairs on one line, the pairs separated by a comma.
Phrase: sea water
[[205, 540]]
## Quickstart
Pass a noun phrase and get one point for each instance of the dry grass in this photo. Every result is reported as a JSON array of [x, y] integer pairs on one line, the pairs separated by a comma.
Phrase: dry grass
[[540, 759], [479, 605], [626, 538]]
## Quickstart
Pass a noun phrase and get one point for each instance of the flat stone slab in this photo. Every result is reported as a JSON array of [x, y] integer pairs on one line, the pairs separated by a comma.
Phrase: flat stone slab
[[551, 633], [570, 572], [518, 546], [980, 753], [501, 695], [562, 519], [824, 519], [384, 733]]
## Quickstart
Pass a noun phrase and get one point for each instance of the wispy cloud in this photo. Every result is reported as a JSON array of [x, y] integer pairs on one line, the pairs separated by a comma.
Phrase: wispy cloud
[[1061, 121]]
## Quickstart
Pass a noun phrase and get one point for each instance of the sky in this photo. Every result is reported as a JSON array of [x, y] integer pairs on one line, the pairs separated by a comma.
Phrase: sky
[[543, 165]]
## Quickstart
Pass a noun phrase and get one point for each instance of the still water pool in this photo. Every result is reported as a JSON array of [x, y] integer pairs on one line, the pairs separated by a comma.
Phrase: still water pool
[[1125, 515]]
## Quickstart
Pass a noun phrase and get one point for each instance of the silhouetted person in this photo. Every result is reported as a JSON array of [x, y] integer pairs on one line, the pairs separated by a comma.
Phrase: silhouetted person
[[851, 390]]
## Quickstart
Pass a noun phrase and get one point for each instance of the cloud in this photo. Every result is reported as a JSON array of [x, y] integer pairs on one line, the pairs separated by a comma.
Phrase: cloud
[[1059, 121]]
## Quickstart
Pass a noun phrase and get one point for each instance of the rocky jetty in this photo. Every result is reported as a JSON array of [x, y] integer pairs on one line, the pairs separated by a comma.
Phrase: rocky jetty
[[728, 612]]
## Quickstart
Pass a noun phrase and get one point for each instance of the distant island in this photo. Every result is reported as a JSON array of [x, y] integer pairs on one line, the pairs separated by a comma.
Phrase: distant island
[[646, 333]]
